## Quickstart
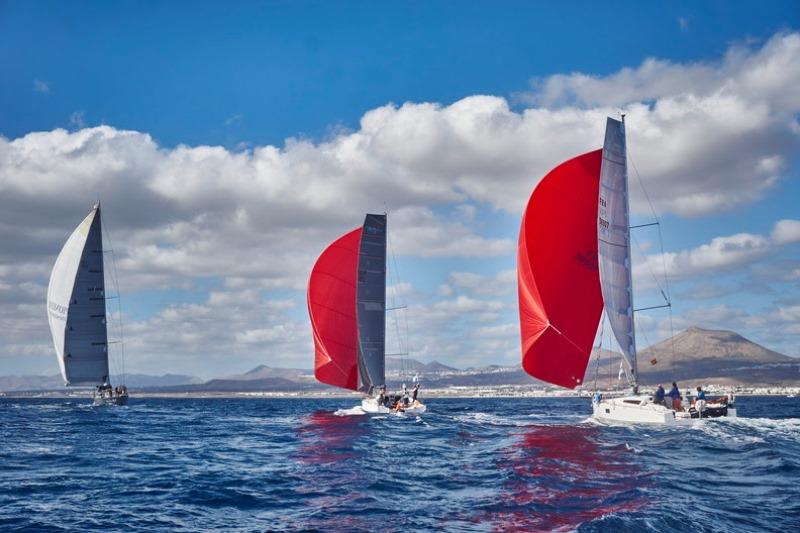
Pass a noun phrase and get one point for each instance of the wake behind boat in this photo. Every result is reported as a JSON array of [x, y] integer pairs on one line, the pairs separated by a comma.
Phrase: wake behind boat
[[573, 262], [347, 308], [76, 311]]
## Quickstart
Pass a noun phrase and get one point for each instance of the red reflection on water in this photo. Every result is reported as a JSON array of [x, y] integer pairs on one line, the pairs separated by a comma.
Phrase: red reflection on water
[[327, 457], [326, 438], [558, 477]]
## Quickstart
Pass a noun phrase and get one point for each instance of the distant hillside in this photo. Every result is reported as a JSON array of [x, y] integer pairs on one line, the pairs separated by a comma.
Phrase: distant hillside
[[397, 365], [55, 382], [700, 356], [710, 356], [265, 372]]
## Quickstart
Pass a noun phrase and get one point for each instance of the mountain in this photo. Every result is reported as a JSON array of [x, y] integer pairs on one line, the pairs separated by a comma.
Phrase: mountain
[[696, 344], [20, 383], [55, 382], [399, 365], [702, 356], [141, 381], [435, 367], [266, 372], [270, 384], [709, 356]]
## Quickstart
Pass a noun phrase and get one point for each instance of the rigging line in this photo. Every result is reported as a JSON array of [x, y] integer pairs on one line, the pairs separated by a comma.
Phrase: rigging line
[[641, 184], [407, 348], [393, 298], [646, 262], [610, 349], [550, 325], [394, 276], [669, 296], [661, 244], [119, 299], [599, 350], [657, 223]]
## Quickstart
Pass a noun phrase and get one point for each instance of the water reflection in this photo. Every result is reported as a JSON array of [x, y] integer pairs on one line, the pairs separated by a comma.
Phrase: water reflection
[[328, 456], [558, 477], [327, 438]]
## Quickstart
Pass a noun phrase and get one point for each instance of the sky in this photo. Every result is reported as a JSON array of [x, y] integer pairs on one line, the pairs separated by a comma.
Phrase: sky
[[229, 144]]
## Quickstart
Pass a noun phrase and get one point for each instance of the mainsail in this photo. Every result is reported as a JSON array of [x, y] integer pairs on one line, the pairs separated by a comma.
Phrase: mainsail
[[346, 305], [76, 306], [371, 303], [613, 235], [559, 294]]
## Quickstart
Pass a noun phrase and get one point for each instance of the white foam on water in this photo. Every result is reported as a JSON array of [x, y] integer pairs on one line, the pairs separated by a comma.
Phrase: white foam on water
[[353, 411]]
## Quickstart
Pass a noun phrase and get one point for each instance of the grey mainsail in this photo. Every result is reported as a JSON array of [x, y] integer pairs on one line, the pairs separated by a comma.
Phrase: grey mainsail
[[613, 246], [371, 304], [76, 306]]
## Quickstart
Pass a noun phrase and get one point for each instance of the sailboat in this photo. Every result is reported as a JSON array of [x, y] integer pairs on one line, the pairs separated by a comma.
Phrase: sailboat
[[76, 311], [347, 308], [573, 262]]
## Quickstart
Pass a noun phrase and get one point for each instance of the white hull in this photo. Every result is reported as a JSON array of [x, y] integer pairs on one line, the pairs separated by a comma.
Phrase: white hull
[[642, 410], [371, 406]]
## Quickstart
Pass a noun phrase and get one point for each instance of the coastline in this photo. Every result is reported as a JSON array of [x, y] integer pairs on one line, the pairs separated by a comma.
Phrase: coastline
[[450, 392]]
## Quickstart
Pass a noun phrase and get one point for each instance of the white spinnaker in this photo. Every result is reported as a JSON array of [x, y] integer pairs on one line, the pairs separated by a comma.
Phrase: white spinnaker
[[613, 246], [76, 306]]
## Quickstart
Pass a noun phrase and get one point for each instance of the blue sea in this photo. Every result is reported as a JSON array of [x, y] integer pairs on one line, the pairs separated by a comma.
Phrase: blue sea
[[532, 464]]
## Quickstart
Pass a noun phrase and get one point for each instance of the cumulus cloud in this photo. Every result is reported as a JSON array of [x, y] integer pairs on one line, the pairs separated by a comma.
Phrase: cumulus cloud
[[704, 137], [223, 335], [786, 232], [720, 255], [501, 284]]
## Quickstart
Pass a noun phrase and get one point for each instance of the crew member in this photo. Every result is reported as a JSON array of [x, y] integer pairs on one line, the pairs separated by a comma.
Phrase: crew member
[[675, 394], [700, 394], [658, 397]]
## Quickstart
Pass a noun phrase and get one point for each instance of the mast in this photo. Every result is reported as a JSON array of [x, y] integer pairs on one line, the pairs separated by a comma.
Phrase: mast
[[634, 377], [614, 250]]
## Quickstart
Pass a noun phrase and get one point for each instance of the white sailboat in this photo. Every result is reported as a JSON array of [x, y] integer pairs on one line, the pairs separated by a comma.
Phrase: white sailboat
[[573, 262], [347, 309], [76, 312], [614, 258]]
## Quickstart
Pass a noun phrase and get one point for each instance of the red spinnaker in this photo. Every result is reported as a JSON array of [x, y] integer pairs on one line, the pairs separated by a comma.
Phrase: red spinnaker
[[332, 308], [560, 301]]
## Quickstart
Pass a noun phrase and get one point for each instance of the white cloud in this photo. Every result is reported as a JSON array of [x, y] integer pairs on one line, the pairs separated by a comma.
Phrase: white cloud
[[232, 331], [786, 232], [419, 232], [720, 255], [40, 86], [77, 119], [705, 137], [233, 119], [502, 283]]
